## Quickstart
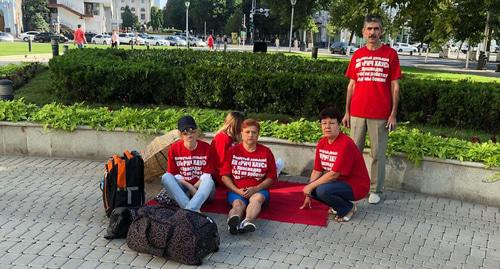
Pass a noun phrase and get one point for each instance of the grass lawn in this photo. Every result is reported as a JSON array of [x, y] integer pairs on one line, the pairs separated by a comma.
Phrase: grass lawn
[[413, 72], [21, 48]]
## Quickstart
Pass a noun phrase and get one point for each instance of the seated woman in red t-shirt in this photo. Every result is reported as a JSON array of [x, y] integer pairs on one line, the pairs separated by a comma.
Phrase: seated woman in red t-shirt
[[227, 136], [190, 165], [339, 176], [249, 170]]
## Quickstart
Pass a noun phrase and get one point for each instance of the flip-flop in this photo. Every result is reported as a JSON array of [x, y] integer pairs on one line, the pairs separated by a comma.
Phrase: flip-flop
[[348, 216], [332, 211]]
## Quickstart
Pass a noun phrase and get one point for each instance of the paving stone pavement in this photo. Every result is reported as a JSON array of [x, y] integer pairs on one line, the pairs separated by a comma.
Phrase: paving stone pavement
[[51, 216]]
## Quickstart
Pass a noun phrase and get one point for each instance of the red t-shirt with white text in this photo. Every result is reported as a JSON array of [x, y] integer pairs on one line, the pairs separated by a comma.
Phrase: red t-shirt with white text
[[190, 164], [248, 169], [220, 144], [342, 156], [373, 72]]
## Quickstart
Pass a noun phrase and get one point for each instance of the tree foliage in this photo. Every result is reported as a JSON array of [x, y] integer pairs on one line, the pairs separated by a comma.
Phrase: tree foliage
[[129, 19], [35, 15], [156, 18]]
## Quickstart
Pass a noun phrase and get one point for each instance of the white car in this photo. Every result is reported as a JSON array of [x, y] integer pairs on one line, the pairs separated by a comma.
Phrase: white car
[[26, 36], [6, 37], [129, 38], [176, 41], [404, 47], [157, 41], [196, 42], [101, 39]]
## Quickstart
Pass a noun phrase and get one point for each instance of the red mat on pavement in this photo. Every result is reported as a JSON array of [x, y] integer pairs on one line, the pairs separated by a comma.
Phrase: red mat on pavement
[[286, 198]]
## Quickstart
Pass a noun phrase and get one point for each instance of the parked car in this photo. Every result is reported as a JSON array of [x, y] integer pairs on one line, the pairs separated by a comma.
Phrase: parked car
[[6, 37], [46, 37], [176, 41], [129, 38], [420, 47], [341, 48], [196, 42], [404, 47], [26, 35], [89, 36], [157, 41], [101, 39]]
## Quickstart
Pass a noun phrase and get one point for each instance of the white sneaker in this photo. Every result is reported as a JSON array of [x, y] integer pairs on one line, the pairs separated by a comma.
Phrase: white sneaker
[[280, 164], [374, 198], [247, 227]]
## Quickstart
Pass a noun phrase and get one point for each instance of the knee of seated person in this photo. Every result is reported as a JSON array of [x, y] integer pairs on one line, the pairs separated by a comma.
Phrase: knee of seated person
[[238, 203], [321, 191], [257, 198], [207, 178], [166, 177]]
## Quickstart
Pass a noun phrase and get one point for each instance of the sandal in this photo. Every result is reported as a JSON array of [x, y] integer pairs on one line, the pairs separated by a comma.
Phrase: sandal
[[332, 211], [348, 216]]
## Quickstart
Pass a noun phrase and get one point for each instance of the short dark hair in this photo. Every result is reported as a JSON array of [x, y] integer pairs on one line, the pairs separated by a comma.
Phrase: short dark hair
[[79, 25], [331, 113], [373, 18]]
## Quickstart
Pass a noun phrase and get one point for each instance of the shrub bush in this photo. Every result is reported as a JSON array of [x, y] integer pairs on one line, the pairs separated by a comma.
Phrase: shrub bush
[[271, 83], [20, 73]]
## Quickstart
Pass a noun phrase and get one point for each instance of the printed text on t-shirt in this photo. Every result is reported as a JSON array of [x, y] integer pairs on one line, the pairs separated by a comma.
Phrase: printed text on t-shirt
[[327, 158], [372, 68], [190, 166], [248, 167]]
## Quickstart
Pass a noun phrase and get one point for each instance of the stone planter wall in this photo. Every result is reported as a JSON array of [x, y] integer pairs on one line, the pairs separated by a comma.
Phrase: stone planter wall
[[446, 178]]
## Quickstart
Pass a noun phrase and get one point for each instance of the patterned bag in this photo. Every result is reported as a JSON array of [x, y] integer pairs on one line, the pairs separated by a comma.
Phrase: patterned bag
[[177, 234]]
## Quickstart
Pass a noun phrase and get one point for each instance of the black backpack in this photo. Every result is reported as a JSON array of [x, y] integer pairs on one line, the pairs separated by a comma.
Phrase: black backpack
[[123, 183], [180, 235], [120, 221]]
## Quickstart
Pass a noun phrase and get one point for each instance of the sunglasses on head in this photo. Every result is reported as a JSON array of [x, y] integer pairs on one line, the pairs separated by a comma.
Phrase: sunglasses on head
[[188, 131]]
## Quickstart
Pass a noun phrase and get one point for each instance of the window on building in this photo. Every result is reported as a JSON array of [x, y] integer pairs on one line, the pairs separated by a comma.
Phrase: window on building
[[142, 1], [133, 9], [122, 9], [143, 9], [143, 16]]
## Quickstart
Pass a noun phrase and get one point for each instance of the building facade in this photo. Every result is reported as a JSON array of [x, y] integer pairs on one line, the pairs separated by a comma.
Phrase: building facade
[[141, 8], [11, 19], [95, 16]]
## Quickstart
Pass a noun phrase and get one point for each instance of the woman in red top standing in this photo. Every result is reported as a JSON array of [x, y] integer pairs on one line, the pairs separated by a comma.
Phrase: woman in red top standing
[[210, 42], [227, 136], [248, 172], [339, 176]]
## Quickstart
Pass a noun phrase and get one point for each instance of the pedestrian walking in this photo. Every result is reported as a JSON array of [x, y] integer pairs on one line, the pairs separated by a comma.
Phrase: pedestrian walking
[[372, 99], [277, 43], [79, 37], [114, 40], [218, 40], [296, 44], [225, 42]]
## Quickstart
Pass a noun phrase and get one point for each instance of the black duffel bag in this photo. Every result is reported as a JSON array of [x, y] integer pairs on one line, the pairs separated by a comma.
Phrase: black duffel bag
[[180, 235]]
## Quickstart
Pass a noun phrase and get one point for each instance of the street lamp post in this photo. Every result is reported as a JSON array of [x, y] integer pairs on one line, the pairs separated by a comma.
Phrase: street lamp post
[[187, 22], [293, 2]]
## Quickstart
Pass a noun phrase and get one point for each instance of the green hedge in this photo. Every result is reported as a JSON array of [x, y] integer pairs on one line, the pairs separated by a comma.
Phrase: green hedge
[[410, 141], [20, 73], [271, 83]]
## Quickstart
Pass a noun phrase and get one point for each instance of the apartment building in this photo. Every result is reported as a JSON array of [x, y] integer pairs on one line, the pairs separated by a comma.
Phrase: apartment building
[[11, 20], [95, 16], [141, 8]]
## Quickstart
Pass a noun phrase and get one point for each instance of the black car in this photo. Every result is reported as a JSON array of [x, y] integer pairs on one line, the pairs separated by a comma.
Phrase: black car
[[46, 37], [341, 47]]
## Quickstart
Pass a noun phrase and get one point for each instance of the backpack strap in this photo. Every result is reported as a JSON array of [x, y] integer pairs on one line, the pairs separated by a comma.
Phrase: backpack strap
[[121, 179], [128, 155]]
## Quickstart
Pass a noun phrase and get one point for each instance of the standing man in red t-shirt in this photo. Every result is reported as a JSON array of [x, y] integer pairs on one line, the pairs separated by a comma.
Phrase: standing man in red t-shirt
[[79, 37], [372, 98]]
